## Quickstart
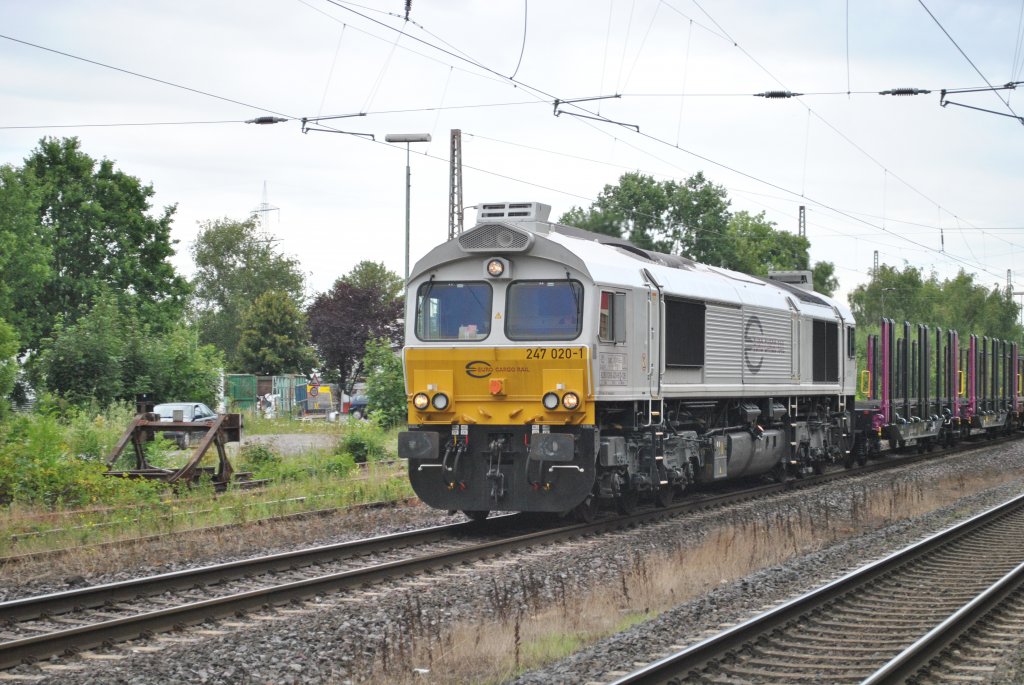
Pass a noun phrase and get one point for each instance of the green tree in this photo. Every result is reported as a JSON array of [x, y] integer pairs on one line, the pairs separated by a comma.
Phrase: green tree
[[235, 264], [385, 384], [959, 302], [109, 355], [173, 367], [97, 225], [83, 360], [900, 295], [8, 362], [275, 339], [700, 218], [363, 305], [825, 281], [692, 218], [759, 248], [24, 256]]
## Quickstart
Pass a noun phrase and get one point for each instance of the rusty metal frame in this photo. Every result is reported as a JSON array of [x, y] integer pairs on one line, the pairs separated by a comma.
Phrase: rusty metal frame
[[144, 427]]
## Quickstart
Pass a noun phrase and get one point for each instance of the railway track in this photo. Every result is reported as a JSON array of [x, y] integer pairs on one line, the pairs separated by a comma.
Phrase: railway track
[[937, 611], [39, 627]]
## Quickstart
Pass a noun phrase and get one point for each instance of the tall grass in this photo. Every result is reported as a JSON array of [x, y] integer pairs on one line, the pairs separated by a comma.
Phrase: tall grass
[[53, 493]]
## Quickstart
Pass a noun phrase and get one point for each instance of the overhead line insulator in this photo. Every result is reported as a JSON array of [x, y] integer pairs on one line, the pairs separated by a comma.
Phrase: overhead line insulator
[[777, 94], [905, 91]]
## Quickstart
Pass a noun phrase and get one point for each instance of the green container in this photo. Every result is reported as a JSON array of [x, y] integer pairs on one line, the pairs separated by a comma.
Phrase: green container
[[240, 390]]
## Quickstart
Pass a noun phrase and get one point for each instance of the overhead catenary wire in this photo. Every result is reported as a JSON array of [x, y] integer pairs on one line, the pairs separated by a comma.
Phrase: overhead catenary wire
[[522, 48], [427, 109], [144, 76], [898, 238], [704, 158], [1017, 64], [970, 61], [708, 159]]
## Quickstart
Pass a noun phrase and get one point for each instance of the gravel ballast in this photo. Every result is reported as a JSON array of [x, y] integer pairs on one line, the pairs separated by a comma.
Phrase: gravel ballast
[[342, 641]]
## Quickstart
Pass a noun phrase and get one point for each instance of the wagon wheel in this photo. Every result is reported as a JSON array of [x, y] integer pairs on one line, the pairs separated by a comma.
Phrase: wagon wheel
[[664, 496], [781, 474], [817, 465], [475, 515], [626, 502]]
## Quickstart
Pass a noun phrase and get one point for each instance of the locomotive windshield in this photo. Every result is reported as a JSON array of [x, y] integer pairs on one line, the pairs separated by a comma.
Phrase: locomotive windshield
[[453, 311], [544, 310]]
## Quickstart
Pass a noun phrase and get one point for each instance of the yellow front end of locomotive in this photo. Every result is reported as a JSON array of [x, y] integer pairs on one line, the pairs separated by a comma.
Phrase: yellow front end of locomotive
[[549, 385]]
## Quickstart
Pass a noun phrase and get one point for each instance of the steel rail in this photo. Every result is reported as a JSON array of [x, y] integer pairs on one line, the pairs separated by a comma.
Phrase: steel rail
[[918, 655], [14, 652], [100, 595], [83, 637], [693, 658]]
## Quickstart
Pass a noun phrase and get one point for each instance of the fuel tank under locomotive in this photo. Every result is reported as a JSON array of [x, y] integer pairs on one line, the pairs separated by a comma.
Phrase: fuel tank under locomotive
[[501, 468], [649, 462]]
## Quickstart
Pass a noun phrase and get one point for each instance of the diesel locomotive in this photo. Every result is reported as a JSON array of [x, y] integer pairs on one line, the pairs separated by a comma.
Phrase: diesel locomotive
[[550, 369]]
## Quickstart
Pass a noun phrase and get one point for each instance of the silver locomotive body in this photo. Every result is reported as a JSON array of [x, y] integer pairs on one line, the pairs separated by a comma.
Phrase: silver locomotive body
[[549, 368]]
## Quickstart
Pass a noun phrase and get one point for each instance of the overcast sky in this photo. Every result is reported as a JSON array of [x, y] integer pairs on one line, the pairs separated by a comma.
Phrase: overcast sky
[[936, 187]]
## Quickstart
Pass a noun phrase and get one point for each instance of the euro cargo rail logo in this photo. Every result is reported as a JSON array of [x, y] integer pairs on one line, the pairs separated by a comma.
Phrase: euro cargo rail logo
[[755, 345], [482, 369], [479, 369]]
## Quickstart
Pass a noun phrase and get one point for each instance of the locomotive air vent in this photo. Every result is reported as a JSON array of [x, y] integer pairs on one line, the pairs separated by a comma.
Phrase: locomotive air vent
[[513, 211], [495, 238]]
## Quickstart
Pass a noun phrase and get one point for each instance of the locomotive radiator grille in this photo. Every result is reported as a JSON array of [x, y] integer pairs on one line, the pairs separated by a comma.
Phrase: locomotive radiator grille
[[495, 238]]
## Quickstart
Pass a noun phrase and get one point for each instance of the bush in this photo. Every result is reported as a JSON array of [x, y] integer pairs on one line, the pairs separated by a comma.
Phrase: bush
[[259, 456], [92, 433], [339, 465], [363, 441], [38, 466]]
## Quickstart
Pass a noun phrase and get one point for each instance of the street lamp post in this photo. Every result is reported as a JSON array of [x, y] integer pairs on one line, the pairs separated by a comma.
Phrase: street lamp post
[[407, 138], [884, 291]]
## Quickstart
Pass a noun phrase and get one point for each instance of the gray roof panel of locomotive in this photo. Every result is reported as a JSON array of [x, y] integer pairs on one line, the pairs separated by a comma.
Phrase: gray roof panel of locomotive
[[606, 260]]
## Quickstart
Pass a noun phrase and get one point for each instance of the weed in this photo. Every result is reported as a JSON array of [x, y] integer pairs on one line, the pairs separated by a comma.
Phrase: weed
[[364, 441], [258, 456]]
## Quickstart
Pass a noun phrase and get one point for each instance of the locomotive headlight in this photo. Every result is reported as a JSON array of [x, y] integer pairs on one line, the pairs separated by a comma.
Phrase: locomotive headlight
[[421, 401], [495, 268], [440, 401], [550, 401], [570, 400]]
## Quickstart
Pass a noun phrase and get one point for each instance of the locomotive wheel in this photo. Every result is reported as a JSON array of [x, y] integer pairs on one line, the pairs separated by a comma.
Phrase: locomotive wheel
[[664, 496], [626, 502], [475, 515], [781, 474], [586, 510]]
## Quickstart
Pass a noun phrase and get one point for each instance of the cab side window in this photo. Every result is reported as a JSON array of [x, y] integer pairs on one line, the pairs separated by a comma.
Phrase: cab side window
[[612, 317]]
